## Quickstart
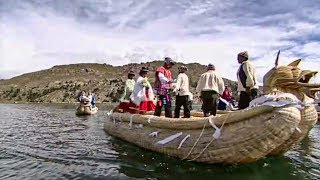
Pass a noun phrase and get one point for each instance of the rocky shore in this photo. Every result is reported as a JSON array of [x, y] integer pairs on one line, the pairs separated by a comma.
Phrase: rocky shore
[[63, 83]]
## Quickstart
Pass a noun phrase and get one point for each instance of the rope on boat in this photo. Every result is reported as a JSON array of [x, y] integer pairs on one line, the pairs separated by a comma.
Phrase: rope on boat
[[149, 119], [169, 139], [214, 136], [131, 119], [204, 126], [154, 134], [120, 119], [183, 140]]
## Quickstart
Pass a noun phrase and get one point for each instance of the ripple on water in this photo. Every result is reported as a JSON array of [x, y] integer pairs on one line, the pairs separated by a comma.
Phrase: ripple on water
[[50, 142]]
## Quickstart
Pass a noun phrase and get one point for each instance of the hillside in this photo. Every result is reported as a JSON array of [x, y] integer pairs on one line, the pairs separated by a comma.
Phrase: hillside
[[63, 83]]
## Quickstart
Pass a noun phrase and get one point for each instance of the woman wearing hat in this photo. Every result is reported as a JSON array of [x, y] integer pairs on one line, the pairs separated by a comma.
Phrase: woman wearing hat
[[142, 95], [125, 99], [247, 85]]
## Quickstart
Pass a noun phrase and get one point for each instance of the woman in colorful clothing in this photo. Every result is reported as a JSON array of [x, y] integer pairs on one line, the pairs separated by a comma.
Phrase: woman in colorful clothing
[[142, 95], [125, 99]]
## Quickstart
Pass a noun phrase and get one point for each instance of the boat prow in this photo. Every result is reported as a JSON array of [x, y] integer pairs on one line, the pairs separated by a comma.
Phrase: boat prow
[[86, 110]]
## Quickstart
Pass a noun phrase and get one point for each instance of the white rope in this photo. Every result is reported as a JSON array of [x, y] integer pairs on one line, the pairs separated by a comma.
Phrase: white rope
[[183, 140], [149, 119], [169, 139], [204, 126], [214, 137], [131, 119], [154, 134]]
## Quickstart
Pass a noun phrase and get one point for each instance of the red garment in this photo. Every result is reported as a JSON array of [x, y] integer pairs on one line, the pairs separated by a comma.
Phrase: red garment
[[124, 106], [144, 106], [226, 95]]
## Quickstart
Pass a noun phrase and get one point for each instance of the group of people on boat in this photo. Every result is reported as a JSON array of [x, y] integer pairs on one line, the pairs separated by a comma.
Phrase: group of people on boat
[[87, 100], [140, 97]]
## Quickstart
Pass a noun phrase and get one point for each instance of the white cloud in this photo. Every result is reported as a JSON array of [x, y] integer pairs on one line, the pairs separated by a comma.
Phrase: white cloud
[[122, 32]]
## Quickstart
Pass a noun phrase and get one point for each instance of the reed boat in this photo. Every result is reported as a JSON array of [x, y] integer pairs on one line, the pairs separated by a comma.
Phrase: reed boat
[[86, 110], [270, 126]]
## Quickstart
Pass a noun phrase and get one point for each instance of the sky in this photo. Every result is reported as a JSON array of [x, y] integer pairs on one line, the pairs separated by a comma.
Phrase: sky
[[38, 34]]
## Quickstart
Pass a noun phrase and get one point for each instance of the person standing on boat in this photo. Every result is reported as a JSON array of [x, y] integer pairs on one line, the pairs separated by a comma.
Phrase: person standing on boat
[[226, 95], [210, 86], [247, 85], [182, 93], [141, 99], [125, 99], [163, 86]]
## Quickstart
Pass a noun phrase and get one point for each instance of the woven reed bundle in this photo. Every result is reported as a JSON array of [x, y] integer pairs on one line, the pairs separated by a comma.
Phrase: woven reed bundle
[[196, 122], [292, 79], [244, 140], [85, 110], [308, 120]]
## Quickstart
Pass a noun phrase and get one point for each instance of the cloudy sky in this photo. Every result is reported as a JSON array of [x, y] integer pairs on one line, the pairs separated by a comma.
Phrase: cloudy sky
[[37, 34]]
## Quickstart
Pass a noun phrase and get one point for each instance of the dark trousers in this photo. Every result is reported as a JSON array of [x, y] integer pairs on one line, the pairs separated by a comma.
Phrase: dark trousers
[[162, 101], [209, 102], [182, 101], [245, 98]]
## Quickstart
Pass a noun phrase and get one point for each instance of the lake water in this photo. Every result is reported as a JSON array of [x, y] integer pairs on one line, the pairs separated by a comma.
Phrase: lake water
[[39, 141]]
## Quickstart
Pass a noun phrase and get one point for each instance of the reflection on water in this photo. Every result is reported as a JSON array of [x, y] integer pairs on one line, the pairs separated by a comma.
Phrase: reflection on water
[[50, 142]]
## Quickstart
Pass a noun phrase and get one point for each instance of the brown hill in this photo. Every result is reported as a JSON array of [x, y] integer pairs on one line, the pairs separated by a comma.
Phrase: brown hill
[[63, 83]]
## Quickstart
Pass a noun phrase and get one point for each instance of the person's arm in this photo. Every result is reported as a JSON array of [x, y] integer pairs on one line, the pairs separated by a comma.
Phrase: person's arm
[[248, 70], [220, 84], [124, 92], [162, 78], [178, 83]]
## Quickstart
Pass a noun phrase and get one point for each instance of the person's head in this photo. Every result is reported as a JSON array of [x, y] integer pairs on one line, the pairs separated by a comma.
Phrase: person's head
[[243, 56], [168, 63], [131, 75], [89, 93], [226, 87], [144, 72], [182, 69], [211, 67], [83, 93]]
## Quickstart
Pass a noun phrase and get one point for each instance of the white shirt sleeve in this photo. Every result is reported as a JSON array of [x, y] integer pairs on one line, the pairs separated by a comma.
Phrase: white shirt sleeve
[[162, 78]]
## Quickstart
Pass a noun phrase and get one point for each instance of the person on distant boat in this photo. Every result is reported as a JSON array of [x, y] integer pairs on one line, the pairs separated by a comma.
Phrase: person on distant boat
[[247, 85], [83, 99], [226, 95], [182, 93], [141, 99], [92, 99], [210, 86], [163, 86], [128, 89]]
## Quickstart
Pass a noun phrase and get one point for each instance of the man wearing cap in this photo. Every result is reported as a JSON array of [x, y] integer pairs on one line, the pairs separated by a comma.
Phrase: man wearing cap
[[163, 84], [210, 86], [125, 99], [247, 85], [182, 93]]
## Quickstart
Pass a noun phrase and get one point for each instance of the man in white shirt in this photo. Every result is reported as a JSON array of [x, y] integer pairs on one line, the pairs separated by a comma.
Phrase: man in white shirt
[[247, 85], [182, 93], [210, 86]]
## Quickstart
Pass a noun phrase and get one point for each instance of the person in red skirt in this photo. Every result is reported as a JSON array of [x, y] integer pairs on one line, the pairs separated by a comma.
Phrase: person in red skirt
[[142, 96]]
